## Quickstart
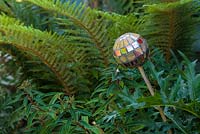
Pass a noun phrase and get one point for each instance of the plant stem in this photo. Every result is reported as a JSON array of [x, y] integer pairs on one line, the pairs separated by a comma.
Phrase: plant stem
[[153, 93]]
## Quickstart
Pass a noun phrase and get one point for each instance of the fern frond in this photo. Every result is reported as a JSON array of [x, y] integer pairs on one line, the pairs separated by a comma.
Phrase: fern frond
[[82, 17], [33, 69], [84, 46], [4, 7], [170, 25], [47, 47]]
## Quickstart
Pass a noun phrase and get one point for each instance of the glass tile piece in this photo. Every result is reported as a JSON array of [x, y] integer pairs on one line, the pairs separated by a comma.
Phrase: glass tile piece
[[135, 44], [129, 48], [130, 40], [123, 51], [138, 52], [134, 36], [121, 44], [123, 37], [131, 57], [140, 41], [123, 59], [115, 46], [144, 48], [117, 53], [125, 42]]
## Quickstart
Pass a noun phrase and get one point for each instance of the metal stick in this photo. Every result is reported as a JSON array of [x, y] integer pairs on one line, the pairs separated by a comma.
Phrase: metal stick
[[153, 93]]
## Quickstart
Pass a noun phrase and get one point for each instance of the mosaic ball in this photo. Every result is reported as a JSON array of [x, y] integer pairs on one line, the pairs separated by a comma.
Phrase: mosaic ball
[[131, 50]]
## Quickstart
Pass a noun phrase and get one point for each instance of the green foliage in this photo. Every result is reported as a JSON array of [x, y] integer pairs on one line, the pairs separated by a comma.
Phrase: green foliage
[[75, 34], [51, 112], [120, 6], [114, 107], [39, 44], [172, 25]]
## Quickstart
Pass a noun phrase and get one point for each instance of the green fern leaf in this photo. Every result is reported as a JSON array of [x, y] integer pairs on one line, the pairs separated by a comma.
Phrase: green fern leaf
[[82, 17], [171, 26], [45, 46]]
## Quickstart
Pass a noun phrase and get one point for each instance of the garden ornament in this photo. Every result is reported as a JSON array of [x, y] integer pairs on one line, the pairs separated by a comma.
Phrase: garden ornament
[[131, 50]]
